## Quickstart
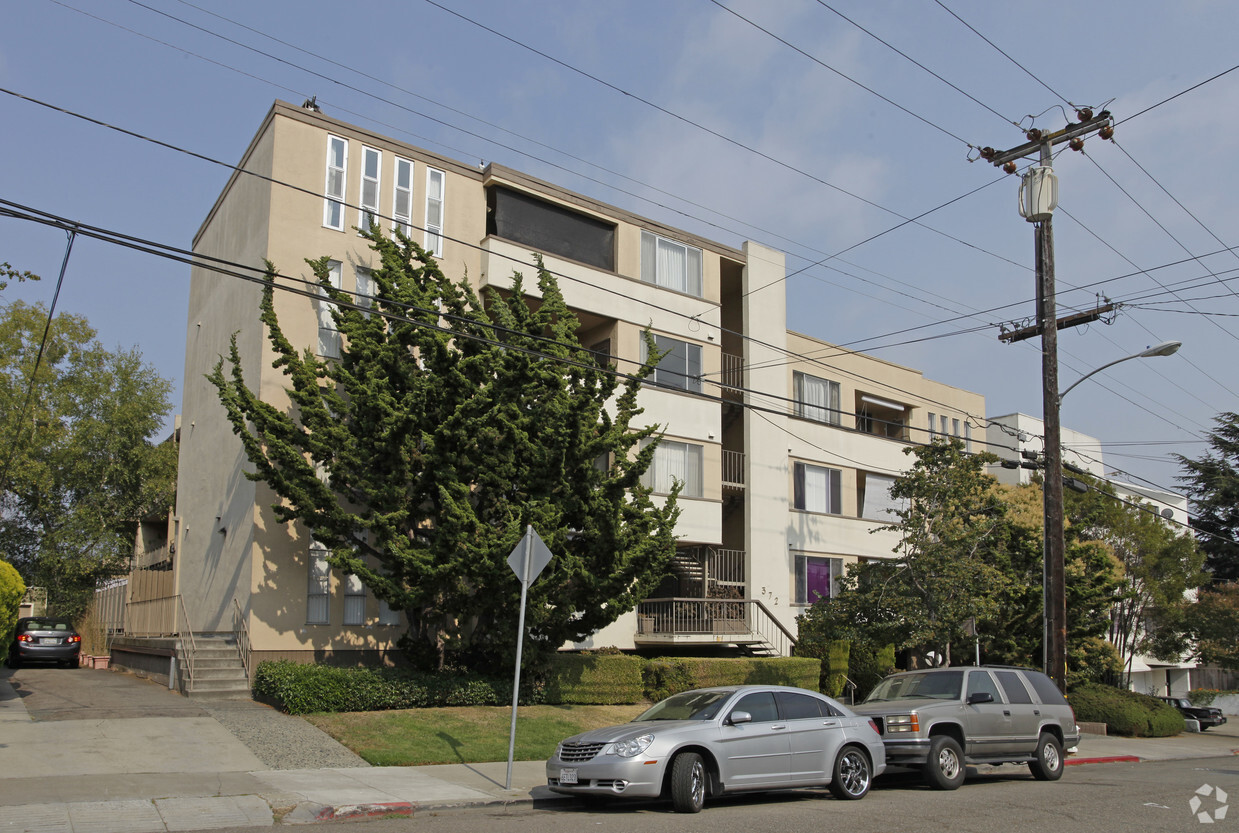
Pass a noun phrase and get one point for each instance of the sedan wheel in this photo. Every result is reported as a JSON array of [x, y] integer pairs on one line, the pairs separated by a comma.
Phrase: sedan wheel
[[852, 775], [688, 783], [945, 768], [1048, 765]]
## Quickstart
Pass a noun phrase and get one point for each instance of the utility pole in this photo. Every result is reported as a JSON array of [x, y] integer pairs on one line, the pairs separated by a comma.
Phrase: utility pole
[[1038, 198]]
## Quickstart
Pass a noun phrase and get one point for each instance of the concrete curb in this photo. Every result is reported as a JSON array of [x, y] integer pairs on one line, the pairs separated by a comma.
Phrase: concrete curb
[[1112, 759]]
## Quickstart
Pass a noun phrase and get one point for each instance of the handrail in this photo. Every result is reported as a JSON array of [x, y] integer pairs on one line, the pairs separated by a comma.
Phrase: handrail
[[770, 616], [709, 619], [243, 637], [188, 660]]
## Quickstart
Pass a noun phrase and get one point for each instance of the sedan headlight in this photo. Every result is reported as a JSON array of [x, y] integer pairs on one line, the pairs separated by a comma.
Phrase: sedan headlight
[[629, 748]]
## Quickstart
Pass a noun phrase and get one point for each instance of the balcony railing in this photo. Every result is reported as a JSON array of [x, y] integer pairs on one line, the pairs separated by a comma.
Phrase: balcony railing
[[733, 376], [712, 621]]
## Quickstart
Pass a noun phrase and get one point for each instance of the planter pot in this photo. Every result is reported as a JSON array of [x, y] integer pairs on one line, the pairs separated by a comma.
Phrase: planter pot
[[85, 661], [102, 662]]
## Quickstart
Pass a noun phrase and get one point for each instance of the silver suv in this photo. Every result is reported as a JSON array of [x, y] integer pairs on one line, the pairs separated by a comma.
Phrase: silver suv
[[941, 719]]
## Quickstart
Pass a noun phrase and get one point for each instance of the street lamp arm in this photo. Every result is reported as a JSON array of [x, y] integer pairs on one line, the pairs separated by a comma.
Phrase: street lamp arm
[[1166, 348]]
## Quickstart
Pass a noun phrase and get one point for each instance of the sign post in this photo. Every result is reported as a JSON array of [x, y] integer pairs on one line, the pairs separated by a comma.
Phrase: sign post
[[527, 560]]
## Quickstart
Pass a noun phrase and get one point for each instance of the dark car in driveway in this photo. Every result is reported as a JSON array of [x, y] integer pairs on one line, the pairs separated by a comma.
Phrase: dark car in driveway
[[1206, 716], [44, 639]]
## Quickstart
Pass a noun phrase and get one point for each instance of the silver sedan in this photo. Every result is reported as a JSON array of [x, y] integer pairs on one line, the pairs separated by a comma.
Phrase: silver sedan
[[712, 741]]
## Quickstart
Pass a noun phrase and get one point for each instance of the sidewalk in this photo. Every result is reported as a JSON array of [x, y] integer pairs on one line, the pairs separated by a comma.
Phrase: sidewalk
[[154, 774]]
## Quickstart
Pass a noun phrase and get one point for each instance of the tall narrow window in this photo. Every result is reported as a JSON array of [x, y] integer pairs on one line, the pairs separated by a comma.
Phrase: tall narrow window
[[365, 288], [954, 427], [316, 610], [337, 171], [968, 436], [932, 425], [675, 462], [670, 264], [354, 601], [816, 399], [371, 162], [680, 367], [942, 425], [328, 335], [817, 489], [815, 578], [434, 212], [402, 197]]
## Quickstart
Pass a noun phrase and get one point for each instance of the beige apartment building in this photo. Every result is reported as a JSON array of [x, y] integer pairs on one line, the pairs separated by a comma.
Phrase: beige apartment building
[[785, 444]]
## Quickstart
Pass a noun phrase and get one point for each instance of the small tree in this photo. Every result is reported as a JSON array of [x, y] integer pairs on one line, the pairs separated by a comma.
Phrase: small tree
[[418, 458], [1213, 622], [12, 588]]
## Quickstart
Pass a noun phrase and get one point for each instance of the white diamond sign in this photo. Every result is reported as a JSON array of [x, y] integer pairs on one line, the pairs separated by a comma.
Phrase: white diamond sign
[[532, 547]]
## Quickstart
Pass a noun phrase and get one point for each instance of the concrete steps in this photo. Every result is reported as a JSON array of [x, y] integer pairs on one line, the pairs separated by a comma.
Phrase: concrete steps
[[214, 671]]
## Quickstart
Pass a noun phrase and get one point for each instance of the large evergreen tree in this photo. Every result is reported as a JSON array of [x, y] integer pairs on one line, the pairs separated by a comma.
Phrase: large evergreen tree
[[1212, 484], [446, 427], [79, 469]]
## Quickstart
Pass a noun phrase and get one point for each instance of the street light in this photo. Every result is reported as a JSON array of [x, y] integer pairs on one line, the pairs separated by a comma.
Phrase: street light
[[1166, 348], [1055, 546]]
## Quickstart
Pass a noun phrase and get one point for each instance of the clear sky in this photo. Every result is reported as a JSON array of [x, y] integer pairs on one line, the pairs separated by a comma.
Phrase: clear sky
[[837, 131]]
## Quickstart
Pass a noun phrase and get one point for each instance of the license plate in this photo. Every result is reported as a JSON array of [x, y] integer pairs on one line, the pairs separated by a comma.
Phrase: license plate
[[48, 640], [567, 776]]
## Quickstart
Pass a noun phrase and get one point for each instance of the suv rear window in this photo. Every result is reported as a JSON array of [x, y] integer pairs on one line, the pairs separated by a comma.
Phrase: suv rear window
[[1045, 688]]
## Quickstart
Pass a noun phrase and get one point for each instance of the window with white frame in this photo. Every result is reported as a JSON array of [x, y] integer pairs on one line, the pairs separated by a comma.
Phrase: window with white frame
[[816, 577], [933, 430], [675, 462], [337, 173], [817, 489], [967, 436], [371, 168], [874, 497], [364, 295], [816, 399], [402, 197], [328, 335], [354, 600], [434, 211], [670, 264], [388, 615], [316, 595], [680, 366]]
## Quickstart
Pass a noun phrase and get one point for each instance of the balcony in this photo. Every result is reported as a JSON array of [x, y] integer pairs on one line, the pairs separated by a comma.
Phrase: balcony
[[744, 623]]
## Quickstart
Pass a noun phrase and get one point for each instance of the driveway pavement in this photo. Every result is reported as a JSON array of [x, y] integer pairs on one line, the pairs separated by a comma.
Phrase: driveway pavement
[[91, 750]]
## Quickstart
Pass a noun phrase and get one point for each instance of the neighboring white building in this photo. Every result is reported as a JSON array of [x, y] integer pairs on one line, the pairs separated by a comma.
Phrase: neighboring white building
[[1018, 438], [778, 499]]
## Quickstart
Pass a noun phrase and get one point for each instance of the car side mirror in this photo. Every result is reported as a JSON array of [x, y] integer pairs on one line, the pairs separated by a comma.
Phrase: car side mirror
[[980, 697], [736, 718]]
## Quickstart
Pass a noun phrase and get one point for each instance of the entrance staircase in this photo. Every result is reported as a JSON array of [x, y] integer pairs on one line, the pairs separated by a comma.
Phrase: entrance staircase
[[211, 668]]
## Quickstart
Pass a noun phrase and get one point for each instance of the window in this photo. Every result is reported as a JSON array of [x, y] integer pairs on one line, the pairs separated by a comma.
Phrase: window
[[816, 489], [932, 429], [670, 264], [675, 462], [371, 162], [968, 437], [354, 601], [680, 366], [387, 614], [316, 590], [434, 212], [980, 682], [337, 169], [759, 704], [794, 706], [550, 228], [874, 497], [402, 197], [602, 352], [1013, 687], [815, 578], [816, 399], [365, 288], [328, 335], [882, 417], [942, 424]]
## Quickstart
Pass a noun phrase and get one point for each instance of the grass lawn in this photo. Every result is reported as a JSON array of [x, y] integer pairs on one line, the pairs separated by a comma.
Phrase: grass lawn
[[467, 734]]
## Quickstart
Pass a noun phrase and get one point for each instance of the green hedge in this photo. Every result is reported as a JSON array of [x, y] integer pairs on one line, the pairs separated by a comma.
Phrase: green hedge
[[596, 679], [1125, 712], [12, 588]]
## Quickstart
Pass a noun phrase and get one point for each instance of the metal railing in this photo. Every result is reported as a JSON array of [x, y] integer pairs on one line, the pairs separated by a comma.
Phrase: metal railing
[[243, 638], [186, 657], [732, 380], [733, 468], [742, 620]]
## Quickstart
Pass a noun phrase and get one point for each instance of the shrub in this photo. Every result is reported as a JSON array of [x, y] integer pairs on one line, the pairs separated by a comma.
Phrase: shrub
[[301, 689], [610, 679], [668, 676], [1125, 712], [664, 677], [12, 588], [1205, 696], [868, 664]]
